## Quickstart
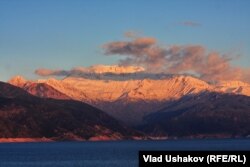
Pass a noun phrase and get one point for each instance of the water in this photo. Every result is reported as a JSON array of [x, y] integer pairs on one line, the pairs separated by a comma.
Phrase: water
[[101, 154]]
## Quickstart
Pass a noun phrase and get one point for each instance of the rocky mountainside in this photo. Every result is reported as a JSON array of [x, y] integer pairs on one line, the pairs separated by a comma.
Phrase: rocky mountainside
[[10, 91], [42, 90], [169, 106], [235, 87], [128, 97], [202, 115], [23, 115]]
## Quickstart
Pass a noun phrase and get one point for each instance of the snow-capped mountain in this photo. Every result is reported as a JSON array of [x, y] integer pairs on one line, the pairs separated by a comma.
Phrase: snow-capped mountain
[[127, 98], [38, 89], [236, 87]]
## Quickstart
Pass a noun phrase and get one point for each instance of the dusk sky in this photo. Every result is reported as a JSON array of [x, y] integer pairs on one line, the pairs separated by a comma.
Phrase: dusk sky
[[62, 34]]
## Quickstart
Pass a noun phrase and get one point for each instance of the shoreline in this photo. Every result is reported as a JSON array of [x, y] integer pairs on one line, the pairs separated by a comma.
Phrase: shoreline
[[24, 140], [45, 140]]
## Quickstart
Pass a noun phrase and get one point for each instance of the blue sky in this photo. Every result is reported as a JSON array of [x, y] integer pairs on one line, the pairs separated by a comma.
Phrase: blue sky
[[61, 34]]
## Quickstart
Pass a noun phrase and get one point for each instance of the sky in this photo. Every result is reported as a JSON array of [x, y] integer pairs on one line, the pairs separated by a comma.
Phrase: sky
[[65, 34]]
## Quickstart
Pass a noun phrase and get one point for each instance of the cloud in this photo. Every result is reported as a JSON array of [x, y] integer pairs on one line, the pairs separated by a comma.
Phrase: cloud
[[92, 70], [73, 72], [146, 57], [48, 72], [190, 24], [136, 47], [141, 51], [194, 59]]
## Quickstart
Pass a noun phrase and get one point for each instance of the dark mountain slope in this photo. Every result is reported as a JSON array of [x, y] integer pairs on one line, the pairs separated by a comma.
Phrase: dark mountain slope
[[10, 91], [206, 114], [25, 116]]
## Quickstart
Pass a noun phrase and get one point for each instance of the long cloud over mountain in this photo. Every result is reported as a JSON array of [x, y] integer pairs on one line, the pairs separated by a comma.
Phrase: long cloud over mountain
[[96, 69]]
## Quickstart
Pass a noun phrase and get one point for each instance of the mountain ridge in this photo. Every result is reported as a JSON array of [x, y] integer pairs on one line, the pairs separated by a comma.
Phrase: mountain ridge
[[187, 107], [207, 114], [130, 100], [23, 115]]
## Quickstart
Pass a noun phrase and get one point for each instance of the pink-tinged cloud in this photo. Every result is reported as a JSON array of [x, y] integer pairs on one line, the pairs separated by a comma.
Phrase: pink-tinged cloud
[[48, 72], [92, 70], [146, 52], [145, 55], [135, 47]]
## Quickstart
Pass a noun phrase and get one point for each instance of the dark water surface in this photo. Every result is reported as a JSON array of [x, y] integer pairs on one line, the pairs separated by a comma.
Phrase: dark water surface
[[101, 154]]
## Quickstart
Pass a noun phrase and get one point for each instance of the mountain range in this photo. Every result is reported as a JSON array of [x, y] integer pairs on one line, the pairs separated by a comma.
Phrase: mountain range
[[128, 100], [125, 102]]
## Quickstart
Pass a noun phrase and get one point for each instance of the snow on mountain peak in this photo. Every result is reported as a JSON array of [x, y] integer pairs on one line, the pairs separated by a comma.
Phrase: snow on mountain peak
[[237, 87], [132, 93], [18, 81], [231, 83]]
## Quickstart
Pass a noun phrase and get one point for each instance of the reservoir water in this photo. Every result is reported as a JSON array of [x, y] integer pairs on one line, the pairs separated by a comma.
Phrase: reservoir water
[[101, 154]]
